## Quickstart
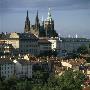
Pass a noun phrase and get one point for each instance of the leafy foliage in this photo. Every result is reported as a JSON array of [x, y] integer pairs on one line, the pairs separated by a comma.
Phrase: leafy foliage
[[82, 49], [69, 80]]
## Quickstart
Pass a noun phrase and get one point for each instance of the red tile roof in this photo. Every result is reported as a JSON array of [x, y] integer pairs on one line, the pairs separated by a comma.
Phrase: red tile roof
[[87, 88]]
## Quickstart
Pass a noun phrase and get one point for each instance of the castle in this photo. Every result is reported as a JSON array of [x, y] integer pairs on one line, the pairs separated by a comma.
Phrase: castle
[[46, 29]]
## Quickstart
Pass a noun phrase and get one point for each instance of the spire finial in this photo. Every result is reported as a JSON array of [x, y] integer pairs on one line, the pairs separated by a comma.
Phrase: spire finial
[[37, 19], [37, 12], [49, 9], [27, 13]]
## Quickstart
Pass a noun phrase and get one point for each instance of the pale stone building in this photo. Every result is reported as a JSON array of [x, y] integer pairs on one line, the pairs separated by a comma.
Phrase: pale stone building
[[44, 46], [23, 43], [72, 44], [55, 43], [7, 68], [23, 68]]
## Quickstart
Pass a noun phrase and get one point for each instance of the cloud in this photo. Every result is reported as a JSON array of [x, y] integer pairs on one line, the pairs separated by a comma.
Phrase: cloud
[[6, 5]]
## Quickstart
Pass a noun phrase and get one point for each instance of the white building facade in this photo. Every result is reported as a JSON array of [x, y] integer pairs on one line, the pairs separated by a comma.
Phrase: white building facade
[[55, 43], [23, 68], [72, 44]]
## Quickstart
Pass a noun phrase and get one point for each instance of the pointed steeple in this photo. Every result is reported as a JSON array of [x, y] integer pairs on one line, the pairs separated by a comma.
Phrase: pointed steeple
[[27, 17], [27, 13], [37, 21], [27, 24], [37, 13]]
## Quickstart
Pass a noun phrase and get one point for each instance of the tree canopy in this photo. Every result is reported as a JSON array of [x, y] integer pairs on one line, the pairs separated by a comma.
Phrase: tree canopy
[[82, 49], [69, 80]]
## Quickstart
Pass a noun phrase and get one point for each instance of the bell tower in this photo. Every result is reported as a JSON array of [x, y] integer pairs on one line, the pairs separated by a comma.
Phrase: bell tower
[[49, 25]]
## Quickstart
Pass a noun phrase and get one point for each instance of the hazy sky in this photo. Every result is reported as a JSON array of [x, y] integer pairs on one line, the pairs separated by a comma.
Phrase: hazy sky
[[71, 16]]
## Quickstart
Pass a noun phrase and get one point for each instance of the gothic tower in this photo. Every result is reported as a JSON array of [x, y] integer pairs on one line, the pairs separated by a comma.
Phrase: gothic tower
[[37, 24], [27, 24], [35, 29]]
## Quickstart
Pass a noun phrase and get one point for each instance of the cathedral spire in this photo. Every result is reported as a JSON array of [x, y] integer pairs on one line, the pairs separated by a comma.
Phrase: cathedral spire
[[37, 13], [37, 21], [27, 18], [27, 24], [27, 13]]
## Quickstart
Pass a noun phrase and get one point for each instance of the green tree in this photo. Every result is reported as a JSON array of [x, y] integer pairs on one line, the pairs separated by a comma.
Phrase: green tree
[[71, 80], [1, 88], [37, 77], [82, 49], [52, 81], [24, 85]]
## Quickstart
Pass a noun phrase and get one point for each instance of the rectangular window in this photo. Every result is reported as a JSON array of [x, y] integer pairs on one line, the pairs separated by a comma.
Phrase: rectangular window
[[5, 72], [5, 67]]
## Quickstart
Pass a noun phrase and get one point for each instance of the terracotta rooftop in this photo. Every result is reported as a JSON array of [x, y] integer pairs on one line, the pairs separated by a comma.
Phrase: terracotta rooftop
[[87, 88]]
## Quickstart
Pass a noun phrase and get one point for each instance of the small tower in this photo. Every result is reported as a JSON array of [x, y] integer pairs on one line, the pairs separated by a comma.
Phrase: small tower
[[27, 24]]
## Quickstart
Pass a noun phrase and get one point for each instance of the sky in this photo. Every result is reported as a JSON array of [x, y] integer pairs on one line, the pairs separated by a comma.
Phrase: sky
[[71, 16]]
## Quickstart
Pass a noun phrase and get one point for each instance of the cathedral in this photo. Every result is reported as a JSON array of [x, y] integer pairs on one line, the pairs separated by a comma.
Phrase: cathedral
[[46, 29]]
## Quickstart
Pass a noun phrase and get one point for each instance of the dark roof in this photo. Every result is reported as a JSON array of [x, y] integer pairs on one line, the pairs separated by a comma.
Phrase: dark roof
[[5, 61], [43, 41], [86, 88], [5, 44], [23, 61], [74, 39], [21, 35], [27, 36], [4, 36]]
